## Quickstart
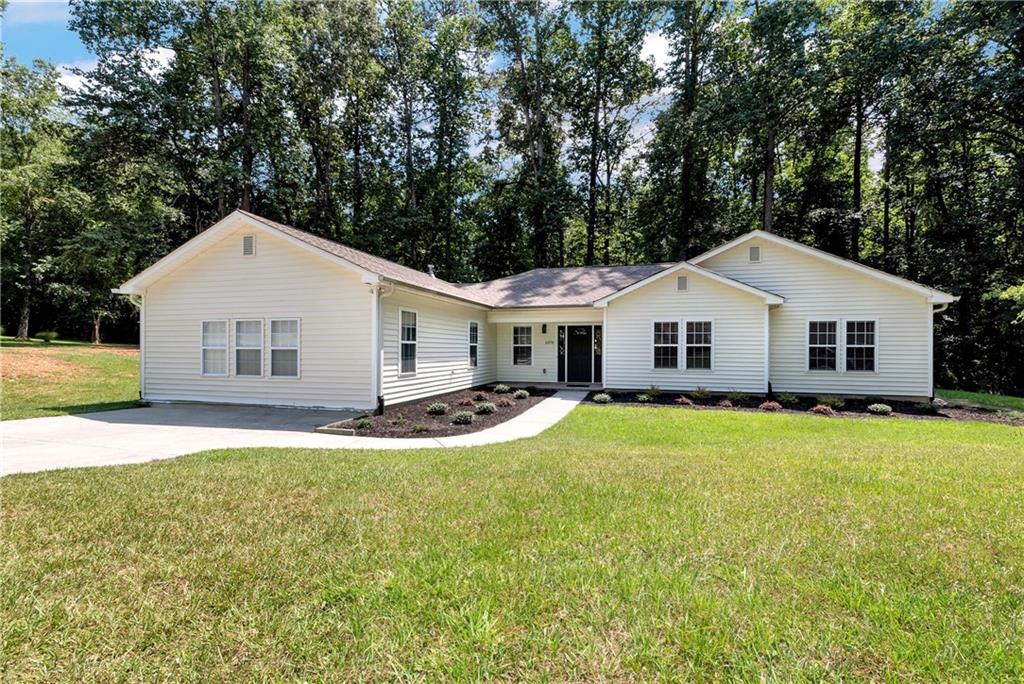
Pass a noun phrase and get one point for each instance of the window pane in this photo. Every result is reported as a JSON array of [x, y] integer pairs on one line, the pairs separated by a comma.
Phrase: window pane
[[284, 333], [666, 333], [215, 361], [474, 333], [215, 333], [666, 357], [248, 334], [860, 332], [408, 358], [822, 358], [284, 362], [408, 331], [860, 359], [248, 362], [522, 335], [522, 356], [698, 332], [698, 357], [473, 355]]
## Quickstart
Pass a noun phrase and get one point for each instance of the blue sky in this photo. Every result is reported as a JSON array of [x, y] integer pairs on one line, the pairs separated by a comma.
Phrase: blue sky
[[31, 30]]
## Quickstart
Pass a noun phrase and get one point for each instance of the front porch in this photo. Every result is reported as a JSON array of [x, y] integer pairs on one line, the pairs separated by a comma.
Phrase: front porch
[[561, 348]]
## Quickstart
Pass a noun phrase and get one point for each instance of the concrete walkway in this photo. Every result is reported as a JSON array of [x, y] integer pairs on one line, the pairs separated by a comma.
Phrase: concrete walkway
[[169, 430]]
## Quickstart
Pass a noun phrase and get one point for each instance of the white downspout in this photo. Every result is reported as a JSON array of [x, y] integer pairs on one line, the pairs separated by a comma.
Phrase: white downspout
[[139, 303], [380, 291]]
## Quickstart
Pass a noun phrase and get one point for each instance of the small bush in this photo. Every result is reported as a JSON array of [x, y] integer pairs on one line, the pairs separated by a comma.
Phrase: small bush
[[438, 408], [3, 330], [874, 400], [834, 403], [737, 397], [485, 408], [502, 389], [462, 418], [398, 419], [701, 393], [787, 399], [47, 336], [466, 402], [505, 403], [643, 398], [420, 427], [521, 394], [880, 409], [480, 396], [363, 424], [925, 407], [823, 410], [770, 406], [603, 398], [684, 400], [725, 403], [653, 392]]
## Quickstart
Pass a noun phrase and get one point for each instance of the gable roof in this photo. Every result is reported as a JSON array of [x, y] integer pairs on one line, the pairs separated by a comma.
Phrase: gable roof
[[933, 295], [768, 297], [569, 286]]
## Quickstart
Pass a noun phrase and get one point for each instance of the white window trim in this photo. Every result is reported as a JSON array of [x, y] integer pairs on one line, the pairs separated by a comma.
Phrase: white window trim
[[653, 346], [415, 345], [861, 319], [683, 344], [254, 246], [297, 348], [470, 344], [235, 347], [226, 347], [514, 345], [840, 357]]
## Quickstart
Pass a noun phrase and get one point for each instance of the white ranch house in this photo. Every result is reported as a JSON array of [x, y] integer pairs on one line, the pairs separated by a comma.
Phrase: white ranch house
[[254, 312]]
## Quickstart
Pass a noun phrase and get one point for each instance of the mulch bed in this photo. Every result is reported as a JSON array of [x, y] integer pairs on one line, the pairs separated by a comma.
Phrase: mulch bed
[[410, 419], [852, 408]]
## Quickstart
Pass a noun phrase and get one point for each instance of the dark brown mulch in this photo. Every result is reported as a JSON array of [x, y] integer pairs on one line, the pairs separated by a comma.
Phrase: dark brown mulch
[[852, 408], [407, 420]]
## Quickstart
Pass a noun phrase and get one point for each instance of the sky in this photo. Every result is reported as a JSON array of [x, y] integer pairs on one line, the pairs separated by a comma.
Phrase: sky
[[39, 30]]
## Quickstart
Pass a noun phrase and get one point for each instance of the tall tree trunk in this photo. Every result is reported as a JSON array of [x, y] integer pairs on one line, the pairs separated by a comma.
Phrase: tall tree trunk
[[95, 328], [858, 151], [218, 109], [910, 230], [886, 209], [595, 136], [769, 179], [23, 317], [247, 145]]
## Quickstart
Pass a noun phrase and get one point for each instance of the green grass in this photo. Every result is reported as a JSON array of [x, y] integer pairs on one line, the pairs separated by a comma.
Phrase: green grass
[[999, 401], [84, 378], [624, 543]]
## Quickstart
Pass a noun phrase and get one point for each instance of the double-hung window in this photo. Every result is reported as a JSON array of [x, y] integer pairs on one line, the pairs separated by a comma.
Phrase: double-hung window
[[822, 345], [522, 345], [215, 348], [698, 345], [249, 348], [860, 345], [666, 344], [474, 343], [407, 343], [284, 348]]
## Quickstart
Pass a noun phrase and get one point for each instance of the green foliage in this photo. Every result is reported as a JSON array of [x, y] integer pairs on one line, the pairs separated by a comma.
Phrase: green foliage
[[438, 408], [787, 399], [502, 389], [485, 408], [47, 335], [738, 397], [363, 424], [644, 398], [463, 418], [602, 398], [420, 427], [399, 419], [653, 392], [880, 409], [701, 393], [521, 394], [831, 401]]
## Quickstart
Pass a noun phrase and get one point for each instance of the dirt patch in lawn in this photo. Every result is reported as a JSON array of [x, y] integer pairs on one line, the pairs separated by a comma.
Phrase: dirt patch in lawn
[[412, 420], [851, 408], [16, 364]]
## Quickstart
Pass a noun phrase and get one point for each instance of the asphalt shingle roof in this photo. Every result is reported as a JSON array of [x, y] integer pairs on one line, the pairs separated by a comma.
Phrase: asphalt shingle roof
[[572, 286]]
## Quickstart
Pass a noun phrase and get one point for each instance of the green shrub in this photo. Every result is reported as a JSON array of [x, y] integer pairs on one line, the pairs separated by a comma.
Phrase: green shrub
[[462, 418], [834, 403], [823, 410], [485, 408], [770, 406], [925, 407], [363, 424], [787, 399], [521, 394], [502, 389], [880, 409], [700, 393], [47, 336], [438, 408], [737, 397], [643, 398], [602, 398], [420, 427], [725, 403], [684, 400], [3, 330], [399, 419], [653, 392]]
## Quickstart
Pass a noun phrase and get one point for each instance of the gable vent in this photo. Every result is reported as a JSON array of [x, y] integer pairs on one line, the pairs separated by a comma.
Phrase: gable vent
[[755, 255], [248, 245], [681, 283]]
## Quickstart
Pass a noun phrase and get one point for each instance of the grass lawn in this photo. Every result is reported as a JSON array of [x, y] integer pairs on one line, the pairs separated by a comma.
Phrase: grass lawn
[[1001, 401], [624, 543], [65, 377]]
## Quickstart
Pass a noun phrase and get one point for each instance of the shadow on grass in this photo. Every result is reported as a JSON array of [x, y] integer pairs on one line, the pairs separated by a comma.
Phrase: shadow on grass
[[96, 408]]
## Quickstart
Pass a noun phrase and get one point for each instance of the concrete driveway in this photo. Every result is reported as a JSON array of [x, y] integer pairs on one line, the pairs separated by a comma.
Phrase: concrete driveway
[[154, 432]]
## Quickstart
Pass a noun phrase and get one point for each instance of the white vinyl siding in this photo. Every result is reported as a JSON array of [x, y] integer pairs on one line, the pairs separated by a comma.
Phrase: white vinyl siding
[[816, 290], [441, 347], [282, 282], [737, 335]]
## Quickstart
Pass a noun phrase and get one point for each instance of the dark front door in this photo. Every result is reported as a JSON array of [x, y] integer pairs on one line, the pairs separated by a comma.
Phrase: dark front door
[[580, 353]]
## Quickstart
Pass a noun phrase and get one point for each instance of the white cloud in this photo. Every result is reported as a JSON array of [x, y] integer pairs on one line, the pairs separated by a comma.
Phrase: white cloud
[[71, 80], [36, 13], [656, 47]]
